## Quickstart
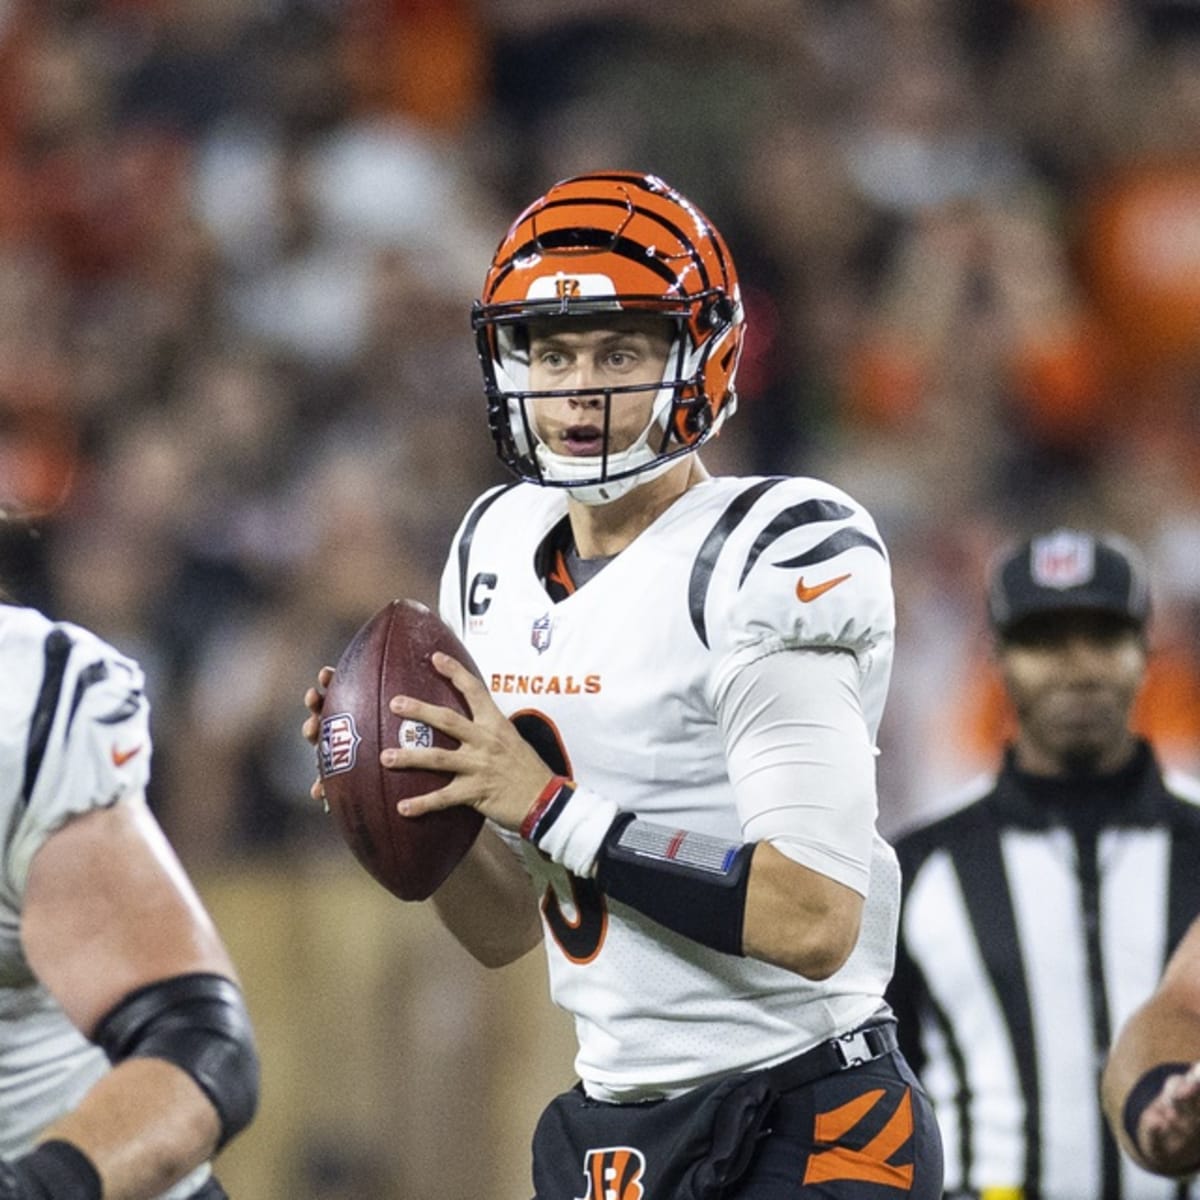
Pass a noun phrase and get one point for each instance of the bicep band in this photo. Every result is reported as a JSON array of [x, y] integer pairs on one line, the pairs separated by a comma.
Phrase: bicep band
[[198, 1022]]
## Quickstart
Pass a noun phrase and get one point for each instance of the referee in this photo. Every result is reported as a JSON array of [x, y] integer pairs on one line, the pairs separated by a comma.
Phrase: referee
[[1038, 915]]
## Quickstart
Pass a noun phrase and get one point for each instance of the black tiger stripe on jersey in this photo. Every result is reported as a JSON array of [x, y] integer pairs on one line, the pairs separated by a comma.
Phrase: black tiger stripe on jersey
[[807, 513], [831, 547], [464, 544], [93, 673], [55, 652], [710, 551]]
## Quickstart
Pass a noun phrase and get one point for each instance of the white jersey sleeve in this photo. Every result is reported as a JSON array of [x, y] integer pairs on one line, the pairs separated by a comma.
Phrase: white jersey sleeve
[[814, 575], [801, 762], [77, 731], [802, 659]]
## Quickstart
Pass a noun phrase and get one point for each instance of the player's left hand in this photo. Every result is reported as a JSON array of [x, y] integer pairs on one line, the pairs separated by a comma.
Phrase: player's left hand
[[495, 770], [1169, 1130]]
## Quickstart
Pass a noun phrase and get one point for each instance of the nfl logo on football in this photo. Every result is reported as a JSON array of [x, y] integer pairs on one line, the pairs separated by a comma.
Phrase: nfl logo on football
[[339, 743], [539, 637]]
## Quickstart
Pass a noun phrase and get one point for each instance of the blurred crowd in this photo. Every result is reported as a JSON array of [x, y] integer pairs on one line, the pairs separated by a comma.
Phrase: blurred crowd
[[239, 239]]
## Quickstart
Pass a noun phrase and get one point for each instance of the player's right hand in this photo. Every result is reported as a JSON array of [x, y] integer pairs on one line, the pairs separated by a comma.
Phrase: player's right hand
[[314, 701]]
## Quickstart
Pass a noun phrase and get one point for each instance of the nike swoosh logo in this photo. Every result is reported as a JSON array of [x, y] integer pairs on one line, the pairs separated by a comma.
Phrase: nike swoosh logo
[[807, 594], [121, 757]]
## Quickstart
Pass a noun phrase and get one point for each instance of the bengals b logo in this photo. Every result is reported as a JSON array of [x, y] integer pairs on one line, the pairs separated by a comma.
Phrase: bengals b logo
[[614, 1173]]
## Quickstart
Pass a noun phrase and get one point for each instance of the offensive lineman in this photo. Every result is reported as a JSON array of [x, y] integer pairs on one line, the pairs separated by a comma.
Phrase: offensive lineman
[[693, 670], [126, 1053]]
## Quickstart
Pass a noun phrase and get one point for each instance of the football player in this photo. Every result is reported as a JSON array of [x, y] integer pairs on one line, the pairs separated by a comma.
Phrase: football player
[[126, 1054], [1151, 1083], [674, 742]]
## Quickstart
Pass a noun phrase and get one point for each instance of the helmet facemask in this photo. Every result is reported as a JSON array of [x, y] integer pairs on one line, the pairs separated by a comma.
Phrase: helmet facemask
[[680, 417]]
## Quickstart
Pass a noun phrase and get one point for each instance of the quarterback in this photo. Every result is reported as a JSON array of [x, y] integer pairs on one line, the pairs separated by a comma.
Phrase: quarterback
[[126, 1054], [674, 742]]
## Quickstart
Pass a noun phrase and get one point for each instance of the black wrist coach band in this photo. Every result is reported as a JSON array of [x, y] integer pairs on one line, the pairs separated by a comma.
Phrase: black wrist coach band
[[58, 1170], [688, 882], [1144, 1092]]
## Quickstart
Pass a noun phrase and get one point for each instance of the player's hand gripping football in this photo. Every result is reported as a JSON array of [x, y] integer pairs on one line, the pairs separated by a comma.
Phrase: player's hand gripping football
[[314, 700], [495, 770], [1169, 1130]]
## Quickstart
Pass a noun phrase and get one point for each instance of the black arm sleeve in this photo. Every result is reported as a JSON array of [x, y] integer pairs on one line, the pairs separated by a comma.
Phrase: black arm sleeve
[[688, 882], [198, 1022]]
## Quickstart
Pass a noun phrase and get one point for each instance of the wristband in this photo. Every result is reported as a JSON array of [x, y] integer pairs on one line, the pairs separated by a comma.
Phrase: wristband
[[568, 824], [1144, 1092], [56, 1170], [688, 882]]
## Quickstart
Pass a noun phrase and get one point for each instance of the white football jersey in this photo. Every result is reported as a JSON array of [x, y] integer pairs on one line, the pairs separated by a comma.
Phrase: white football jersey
[[618, 685], [74, 736]]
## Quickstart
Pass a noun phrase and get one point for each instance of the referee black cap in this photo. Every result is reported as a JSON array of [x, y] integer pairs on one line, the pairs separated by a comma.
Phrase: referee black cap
[[1068, 570]]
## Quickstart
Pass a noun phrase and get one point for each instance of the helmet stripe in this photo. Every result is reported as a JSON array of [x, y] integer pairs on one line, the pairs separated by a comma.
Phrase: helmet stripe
[[674, 230], [577, 237]]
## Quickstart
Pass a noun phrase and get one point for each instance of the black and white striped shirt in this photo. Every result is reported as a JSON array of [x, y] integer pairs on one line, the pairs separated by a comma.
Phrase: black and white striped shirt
[[1034, 920]]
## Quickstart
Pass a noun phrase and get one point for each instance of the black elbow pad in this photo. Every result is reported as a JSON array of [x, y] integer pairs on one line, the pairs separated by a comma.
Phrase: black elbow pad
[[198, 1022]]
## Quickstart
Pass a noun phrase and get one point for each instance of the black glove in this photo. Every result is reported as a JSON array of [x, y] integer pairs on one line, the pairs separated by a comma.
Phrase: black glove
[[55, 1170]]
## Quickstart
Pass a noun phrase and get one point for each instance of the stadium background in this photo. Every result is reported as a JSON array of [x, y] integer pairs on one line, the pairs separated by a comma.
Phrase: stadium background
[[240, 408]]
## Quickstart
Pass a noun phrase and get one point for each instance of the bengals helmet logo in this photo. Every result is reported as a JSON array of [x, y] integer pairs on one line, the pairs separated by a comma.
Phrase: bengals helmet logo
[[566, 287], [614, 1173]]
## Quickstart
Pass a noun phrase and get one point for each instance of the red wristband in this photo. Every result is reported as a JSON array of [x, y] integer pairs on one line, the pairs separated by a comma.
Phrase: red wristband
[[545, 798]]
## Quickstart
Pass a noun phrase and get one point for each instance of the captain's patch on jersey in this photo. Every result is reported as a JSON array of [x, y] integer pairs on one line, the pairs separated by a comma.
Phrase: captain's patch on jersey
[[338, 748]]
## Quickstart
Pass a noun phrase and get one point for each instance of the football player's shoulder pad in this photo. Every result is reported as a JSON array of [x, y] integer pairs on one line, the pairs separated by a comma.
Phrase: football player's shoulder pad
[[805, 566]]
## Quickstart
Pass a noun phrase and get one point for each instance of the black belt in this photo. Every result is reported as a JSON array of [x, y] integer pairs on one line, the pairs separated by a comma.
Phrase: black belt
[[861, 1045]]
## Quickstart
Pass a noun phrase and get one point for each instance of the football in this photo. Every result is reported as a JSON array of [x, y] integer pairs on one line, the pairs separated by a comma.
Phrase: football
[[390, 656]]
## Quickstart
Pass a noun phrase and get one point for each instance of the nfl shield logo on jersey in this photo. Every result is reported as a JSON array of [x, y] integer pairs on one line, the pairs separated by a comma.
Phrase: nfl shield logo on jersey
[[539, 637], [1063, 560]]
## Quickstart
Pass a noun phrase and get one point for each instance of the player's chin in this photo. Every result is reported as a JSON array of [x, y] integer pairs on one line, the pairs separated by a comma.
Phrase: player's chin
[[1081, 750]]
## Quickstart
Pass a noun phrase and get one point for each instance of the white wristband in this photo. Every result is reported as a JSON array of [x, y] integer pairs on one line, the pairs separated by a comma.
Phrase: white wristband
[[568, 823]]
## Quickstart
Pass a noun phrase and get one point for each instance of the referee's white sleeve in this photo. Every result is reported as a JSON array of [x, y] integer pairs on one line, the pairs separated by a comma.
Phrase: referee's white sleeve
[[801, 760]]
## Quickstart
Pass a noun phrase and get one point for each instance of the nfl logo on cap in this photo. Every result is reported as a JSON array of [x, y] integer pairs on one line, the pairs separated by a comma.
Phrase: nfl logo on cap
[[1064, 559], [1068, 570]]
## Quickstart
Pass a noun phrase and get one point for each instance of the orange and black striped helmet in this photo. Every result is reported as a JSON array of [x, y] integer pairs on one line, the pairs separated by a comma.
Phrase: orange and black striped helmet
[[612, 241]]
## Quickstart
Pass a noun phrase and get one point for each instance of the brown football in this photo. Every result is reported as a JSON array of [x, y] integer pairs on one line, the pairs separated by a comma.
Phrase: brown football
[[390, 656]]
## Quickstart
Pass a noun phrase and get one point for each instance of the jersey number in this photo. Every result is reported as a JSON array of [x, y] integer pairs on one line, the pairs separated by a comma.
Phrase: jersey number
[[580, 938]]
